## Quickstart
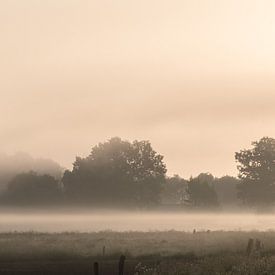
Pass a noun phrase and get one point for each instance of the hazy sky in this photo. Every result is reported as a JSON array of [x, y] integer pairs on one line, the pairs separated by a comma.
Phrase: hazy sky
[[196, 78]]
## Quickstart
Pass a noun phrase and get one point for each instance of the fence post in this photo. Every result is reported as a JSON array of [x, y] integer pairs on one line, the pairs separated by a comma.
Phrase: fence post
[[96, 268], [103, 251], [249, 248], [121, 265], [258, 245]]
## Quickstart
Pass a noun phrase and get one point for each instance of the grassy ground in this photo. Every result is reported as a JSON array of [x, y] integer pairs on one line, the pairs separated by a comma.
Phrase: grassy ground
[[146, 253]]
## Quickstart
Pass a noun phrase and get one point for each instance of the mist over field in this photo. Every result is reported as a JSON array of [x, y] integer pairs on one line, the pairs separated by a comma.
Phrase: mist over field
[[96, 221]]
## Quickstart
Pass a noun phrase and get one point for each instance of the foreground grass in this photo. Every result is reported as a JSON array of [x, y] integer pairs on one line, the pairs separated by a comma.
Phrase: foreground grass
[[168, 252]]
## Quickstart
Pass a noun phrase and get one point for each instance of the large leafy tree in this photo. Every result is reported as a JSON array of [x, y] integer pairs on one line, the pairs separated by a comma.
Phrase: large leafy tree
[[257, 172], [117, 172]]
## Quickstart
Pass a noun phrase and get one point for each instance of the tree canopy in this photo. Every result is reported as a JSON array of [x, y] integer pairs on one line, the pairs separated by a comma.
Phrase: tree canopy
[[117, 172], [31, 188], [226, 189], [257, 172], [201, 192], [174, 191]]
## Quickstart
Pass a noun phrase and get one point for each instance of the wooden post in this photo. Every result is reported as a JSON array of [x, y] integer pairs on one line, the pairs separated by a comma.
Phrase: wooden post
[[121, 265], [250, 246], [96, 268], [103, 251], [258, 245]]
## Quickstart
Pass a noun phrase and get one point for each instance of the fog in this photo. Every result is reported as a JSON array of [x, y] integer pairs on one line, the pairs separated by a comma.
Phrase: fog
[[138, 221], [21, 162]]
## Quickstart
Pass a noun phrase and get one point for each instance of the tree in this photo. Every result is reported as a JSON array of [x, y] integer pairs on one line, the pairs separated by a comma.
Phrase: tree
[[226, 189], [117, 172], [12, 165], [174, 191], [257, 172], [31, 188], [201, 192]]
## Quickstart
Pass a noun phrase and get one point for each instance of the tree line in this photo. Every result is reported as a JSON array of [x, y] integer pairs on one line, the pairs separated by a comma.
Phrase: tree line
[[120, 173]]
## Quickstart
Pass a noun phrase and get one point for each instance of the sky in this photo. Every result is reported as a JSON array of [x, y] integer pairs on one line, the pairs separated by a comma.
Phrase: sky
[[196, 78]]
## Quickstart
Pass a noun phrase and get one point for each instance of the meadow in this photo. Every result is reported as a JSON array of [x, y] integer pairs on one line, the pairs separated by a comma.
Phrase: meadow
[[157, 252]]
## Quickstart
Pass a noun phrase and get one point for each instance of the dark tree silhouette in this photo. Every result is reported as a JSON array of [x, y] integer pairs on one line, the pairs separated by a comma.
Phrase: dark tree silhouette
[[30, 188], [174, 191], [257, 172], [226, 189], [12, 165], [201, 192], [117, 172]]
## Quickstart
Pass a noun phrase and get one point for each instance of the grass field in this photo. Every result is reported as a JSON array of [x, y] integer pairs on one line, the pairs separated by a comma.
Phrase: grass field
[[169, 252]]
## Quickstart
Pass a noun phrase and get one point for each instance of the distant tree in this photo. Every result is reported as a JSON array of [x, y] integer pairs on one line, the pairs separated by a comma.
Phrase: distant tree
[[12, 165], [226, 189], [175, 180], [257, 172], [201, 192], [117, 172], [30, 188], [174, 190]]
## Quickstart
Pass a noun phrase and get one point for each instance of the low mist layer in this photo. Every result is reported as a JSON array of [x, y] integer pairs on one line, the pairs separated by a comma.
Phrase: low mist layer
[[123, 221]]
